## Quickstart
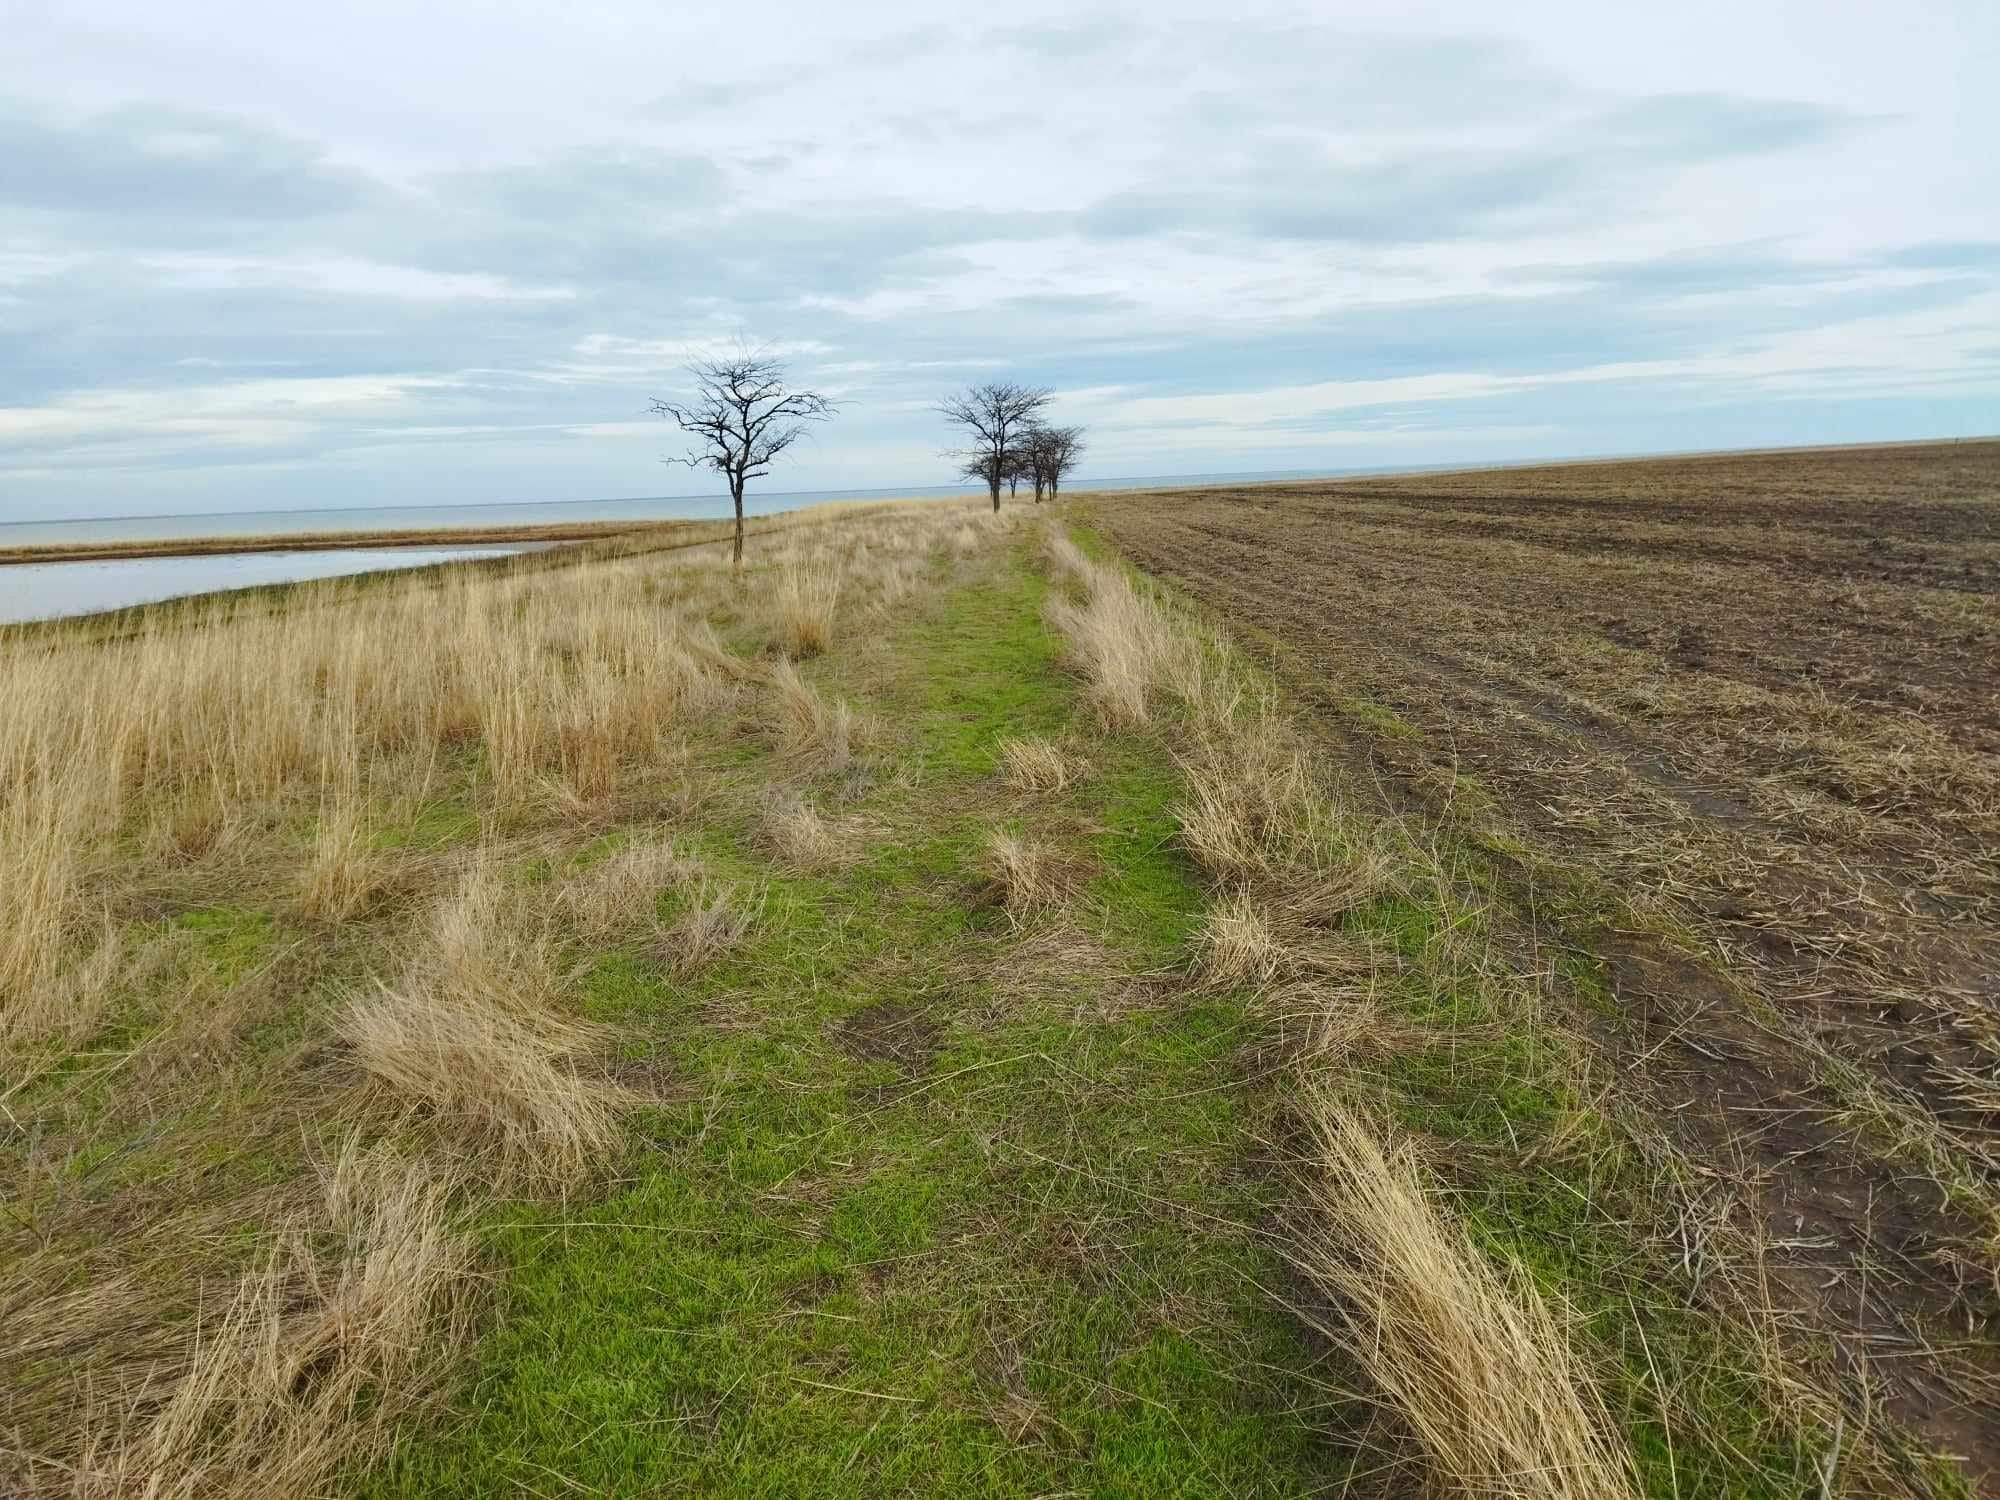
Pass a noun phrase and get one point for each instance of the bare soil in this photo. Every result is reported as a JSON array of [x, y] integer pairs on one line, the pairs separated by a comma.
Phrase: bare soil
[[330, 541], [1729, 728]]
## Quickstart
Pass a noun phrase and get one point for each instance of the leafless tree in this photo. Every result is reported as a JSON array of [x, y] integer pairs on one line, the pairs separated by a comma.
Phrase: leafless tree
[[996, 418], [980, 466], [743, 414], [1069, 447], [1052, 452], [1019, 467]]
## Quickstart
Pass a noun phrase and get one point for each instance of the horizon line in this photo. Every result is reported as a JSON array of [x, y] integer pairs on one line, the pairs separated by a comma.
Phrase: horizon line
[[1194, 479]]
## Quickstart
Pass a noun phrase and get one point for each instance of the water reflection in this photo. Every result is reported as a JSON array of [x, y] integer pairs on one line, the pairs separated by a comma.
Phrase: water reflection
[[47, 591]]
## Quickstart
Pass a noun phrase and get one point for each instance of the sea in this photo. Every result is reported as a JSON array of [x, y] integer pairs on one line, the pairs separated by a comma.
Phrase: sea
[[142, 527]]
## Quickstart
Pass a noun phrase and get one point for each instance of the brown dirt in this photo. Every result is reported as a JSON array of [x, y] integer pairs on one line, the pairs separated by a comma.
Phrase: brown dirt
[[905, 1034], [330, 541], [1735, 721]]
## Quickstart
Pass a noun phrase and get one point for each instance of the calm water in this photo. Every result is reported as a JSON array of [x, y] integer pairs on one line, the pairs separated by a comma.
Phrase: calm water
[[532, 513], [47, 591]]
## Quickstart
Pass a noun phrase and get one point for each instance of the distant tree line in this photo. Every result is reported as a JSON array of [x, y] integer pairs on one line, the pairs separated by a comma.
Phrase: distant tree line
[[745, 412], [1007, 440]]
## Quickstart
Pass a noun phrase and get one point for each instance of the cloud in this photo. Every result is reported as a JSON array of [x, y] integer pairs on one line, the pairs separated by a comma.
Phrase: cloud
[[1680, 128], [1304, 188], [168, 166], [1087, 38]]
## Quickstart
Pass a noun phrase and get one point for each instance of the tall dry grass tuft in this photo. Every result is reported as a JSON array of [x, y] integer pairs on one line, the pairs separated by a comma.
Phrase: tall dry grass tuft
[[1124, 644], [514, 1087], [61, 1012], [807, 593], [1476, 1370], [815, 731], [41, 896], [1039, 766], [343, 873], [190, 824], [472, 1040], [1255, 809], [337, 1336]]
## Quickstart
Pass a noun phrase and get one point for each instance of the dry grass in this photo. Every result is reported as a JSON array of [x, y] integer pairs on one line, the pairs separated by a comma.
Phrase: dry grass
[[1234, 944], [1038, 766], [807, 593], [622, 891], [344, 872], [513, 1087], [715, 921], [336, 1336], [39, 904], [192, 824], [806, 839], [1028, 878], [817, 733], [166, 762], [472, 1041], [62, 1011], [1124, 644], [1253, 807], [1476, 1369]]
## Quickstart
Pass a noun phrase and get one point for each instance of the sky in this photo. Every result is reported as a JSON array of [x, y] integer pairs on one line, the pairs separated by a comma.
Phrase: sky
[[370, 253]]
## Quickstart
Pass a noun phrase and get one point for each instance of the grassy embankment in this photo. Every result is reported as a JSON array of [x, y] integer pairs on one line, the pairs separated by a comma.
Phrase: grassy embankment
[[540, 1036]]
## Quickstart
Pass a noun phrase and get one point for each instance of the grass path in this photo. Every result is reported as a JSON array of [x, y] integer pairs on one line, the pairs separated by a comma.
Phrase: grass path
[[939, 1203]]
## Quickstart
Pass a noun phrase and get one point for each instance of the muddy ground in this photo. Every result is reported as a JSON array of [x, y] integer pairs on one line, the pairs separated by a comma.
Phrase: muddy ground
[[1729, 727]]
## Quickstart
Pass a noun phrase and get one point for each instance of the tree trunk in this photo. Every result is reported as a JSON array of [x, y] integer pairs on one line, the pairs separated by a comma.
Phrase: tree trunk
[[736, 555], [994, 484]]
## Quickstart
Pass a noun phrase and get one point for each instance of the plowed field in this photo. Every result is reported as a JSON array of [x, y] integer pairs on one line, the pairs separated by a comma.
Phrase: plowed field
[[1727, 730]]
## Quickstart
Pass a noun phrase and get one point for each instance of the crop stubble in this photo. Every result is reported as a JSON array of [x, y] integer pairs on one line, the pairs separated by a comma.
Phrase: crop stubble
[[1733, 723]]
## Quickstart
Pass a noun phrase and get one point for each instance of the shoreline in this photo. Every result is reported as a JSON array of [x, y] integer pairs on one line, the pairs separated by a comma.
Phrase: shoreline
[[553, 532], [328, 541]]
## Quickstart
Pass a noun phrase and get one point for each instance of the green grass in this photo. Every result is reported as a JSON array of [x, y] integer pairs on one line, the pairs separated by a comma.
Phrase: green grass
[[922, 1215]]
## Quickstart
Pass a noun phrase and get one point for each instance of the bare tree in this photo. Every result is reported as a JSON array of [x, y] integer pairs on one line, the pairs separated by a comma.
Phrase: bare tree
[[980, 466], [1052, 452], [997, 418], [743, 414]]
